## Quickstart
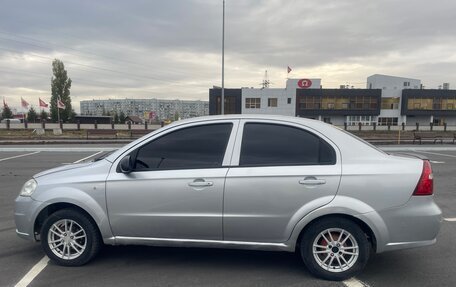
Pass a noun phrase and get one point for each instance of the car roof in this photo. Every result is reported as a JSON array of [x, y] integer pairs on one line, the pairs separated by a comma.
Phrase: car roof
[[248, 116], [305, 121]]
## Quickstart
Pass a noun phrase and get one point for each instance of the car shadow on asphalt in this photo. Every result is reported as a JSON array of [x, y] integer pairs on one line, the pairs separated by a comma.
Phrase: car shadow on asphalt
[[169, 266]]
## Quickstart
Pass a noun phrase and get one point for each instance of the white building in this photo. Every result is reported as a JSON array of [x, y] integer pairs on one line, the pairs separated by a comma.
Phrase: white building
[[387, 100], [390, 110], [277, 101], [153, 109]]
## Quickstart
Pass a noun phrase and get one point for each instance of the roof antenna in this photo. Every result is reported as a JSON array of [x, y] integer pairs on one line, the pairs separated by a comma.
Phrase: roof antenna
[[265, 84]]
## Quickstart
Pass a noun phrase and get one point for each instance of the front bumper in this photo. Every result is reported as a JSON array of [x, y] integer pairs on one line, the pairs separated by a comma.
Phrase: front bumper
[[25, 211], [414, 224]]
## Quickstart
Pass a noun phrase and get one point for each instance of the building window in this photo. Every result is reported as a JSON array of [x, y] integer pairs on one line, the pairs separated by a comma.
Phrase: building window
[[253, 103], [364, 120], [272, 102], [406, 84], [331, 102], [390, 103], [431, 103], [289, 101], [384, 121], [230, 105]]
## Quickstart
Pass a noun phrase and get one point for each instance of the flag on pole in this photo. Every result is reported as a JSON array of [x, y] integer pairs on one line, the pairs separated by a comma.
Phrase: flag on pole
[[5, 105], [288, 70], [60, 104], [42, 103], [24, 103]]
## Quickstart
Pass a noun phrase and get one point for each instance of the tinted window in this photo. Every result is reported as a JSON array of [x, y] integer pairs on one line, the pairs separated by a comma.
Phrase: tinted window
[[195, 147], [270, 144]]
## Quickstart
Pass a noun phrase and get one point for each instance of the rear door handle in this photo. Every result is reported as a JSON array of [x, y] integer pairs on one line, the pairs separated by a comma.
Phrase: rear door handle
[[200, 183], [311, 180]]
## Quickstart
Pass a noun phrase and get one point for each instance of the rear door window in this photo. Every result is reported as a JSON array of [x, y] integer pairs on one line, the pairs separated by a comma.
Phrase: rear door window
[[273, 144]]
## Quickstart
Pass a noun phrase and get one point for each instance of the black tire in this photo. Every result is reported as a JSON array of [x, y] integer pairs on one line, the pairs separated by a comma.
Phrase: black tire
[[353, 265], [78, 220]]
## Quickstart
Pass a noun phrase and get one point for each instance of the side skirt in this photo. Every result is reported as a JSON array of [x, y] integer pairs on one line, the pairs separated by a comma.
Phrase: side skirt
[[171, 242]]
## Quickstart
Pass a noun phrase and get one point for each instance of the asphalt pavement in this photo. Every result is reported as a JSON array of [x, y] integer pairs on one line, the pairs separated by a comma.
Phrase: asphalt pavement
[[153, 266]]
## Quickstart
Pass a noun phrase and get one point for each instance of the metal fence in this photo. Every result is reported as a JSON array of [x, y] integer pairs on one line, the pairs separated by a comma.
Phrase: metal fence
[[67, 126]]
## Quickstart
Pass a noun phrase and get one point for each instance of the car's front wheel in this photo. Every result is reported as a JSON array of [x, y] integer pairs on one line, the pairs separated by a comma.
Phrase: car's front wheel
[[70, 238], [334, 248]]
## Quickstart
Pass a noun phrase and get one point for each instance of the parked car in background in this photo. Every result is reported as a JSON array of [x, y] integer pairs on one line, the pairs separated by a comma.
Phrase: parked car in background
[[248, 182]]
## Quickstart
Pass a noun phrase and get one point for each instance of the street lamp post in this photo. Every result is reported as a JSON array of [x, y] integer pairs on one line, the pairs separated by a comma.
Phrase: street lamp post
[[223, 62]]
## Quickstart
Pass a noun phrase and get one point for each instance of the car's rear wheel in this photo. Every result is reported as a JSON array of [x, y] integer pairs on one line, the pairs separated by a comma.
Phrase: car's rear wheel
[[335, 248], [70, 238]]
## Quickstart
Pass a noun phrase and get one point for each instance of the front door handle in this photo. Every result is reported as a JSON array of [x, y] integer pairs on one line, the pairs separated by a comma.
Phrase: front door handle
[[312, 180], [200, 183]]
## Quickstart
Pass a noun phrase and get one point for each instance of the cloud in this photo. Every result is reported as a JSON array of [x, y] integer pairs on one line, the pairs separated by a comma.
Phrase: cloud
[[172, 49]]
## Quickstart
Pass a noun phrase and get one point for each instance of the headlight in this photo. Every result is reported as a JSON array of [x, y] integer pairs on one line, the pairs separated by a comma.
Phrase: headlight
[[28, 188]]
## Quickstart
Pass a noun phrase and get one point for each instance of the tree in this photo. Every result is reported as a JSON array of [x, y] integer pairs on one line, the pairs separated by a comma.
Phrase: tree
[[44, 115], [60, 88], [72, 116], [32, 115], [7, 113], [116, 117], [122, 117]]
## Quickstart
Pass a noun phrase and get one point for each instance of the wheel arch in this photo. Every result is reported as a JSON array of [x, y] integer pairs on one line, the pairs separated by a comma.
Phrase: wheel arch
[[58, 197], [363, 225], [51, 209]]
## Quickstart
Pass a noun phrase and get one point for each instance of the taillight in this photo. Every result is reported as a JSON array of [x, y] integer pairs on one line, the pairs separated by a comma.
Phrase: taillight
[[425, 185]]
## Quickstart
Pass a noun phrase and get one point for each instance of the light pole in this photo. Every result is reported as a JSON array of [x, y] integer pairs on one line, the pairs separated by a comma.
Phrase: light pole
[[223, 62]]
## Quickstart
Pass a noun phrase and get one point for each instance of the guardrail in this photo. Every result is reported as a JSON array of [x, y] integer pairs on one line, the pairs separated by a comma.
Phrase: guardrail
[[373, 133], [75, 126]]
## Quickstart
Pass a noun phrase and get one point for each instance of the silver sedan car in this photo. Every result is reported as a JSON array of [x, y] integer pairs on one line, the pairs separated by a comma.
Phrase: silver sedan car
[[250, 182]]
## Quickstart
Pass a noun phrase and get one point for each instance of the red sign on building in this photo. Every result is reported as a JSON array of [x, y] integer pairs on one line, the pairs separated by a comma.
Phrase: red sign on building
[[304, 83]]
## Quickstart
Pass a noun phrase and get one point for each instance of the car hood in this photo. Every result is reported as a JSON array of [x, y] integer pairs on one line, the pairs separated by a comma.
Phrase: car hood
[[62, 168]]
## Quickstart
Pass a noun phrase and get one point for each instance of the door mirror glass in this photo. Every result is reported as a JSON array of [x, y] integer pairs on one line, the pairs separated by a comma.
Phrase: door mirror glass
[[126, 165]]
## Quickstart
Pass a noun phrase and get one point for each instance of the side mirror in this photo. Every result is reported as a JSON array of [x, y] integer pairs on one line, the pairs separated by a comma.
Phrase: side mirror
[[126, 166]]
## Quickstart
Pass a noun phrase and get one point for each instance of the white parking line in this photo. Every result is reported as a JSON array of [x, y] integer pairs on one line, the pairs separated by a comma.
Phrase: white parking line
[[417, 148], [21, 155], [28, 278], [353, 282], [83, 159], [450, 219], [435, 153]]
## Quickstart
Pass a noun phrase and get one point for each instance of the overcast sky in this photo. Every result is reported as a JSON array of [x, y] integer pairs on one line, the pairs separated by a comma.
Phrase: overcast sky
[[172, 49]]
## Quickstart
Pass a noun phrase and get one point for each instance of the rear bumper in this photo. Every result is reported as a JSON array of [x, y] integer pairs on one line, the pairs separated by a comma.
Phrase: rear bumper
[[414, 224]]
